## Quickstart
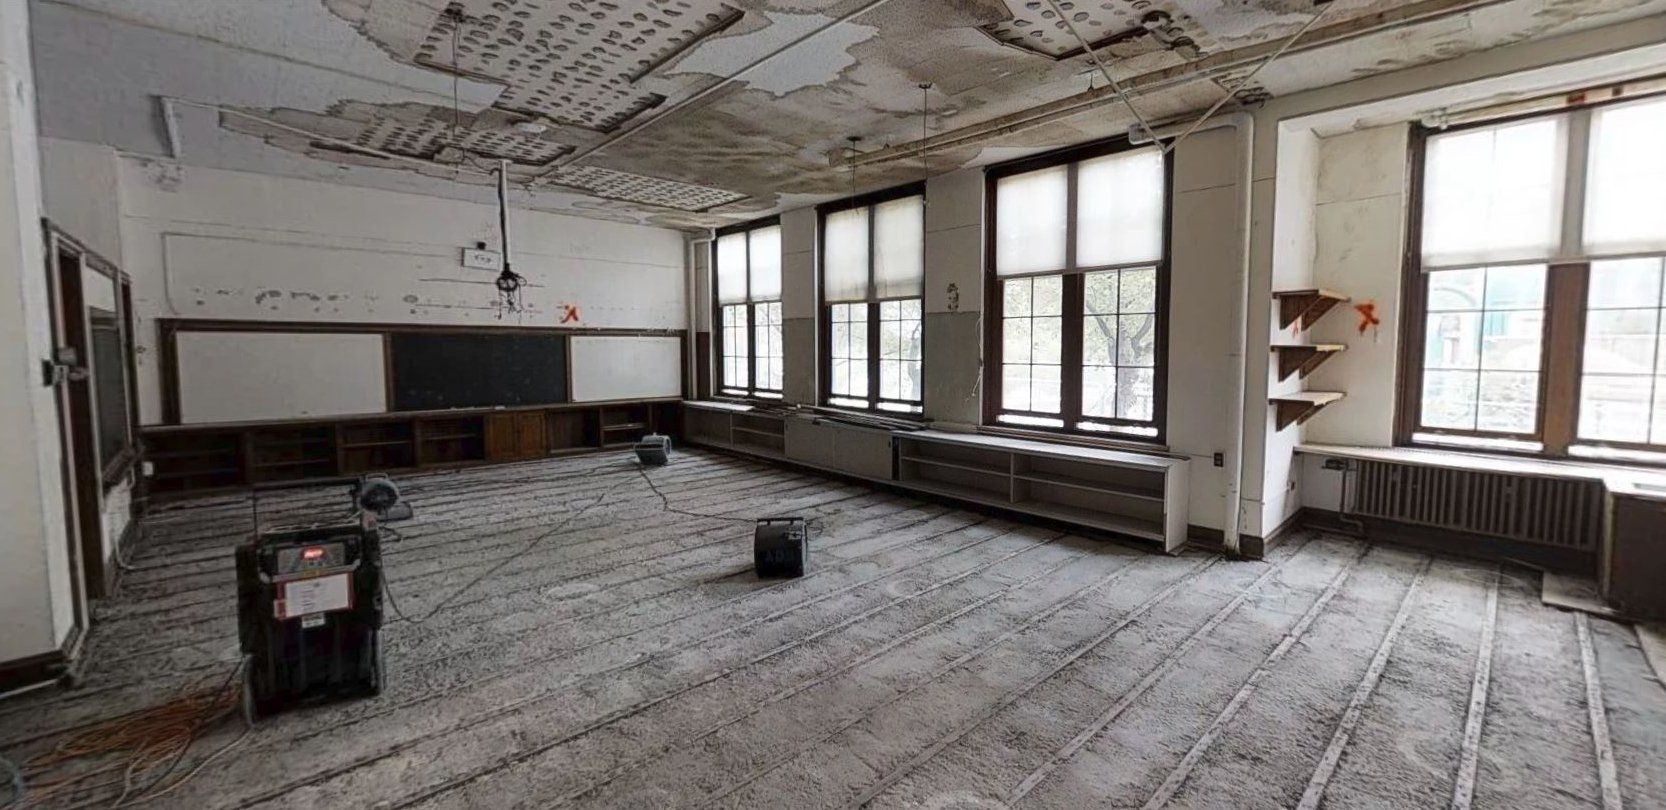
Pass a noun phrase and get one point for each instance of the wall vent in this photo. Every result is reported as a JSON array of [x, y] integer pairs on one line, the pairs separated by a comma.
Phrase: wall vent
[[1546, 511]]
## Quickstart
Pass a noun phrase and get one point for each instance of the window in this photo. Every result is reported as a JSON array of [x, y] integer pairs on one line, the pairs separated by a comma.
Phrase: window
[[873, 269], [748, 296], [1538, 295], [1078, 266], [109, 368]]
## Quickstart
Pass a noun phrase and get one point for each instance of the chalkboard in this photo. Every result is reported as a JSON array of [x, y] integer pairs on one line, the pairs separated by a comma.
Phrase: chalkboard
[[433, 370]]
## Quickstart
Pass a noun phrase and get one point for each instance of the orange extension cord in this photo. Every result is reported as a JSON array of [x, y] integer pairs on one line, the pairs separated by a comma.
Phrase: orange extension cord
[[149, 744]]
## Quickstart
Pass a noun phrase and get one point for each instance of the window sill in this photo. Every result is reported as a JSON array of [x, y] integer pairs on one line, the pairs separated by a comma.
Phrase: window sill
[[1078, 439], [1612, 474]]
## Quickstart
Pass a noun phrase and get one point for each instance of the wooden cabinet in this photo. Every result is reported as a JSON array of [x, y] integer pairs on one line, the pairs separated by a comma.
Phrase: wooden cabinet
[[516, 436], [1633, 562]]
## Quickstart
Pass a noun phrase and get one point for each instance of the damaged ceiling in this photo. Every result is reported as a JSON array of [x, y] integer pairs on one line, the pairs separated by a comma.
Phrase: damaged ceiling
[[695, 113]]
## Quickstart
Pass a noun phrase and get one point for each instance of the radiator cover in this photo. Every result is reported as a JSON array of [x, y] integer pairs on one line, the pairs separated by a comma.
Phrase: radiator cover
[[1556, 512]]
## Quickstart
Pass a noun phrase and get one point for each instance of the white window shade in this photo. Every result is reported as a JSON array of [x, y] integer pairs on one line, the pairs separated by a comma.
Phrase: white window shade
[[899, 248], [1494, 195], [1119, 209], [844, 269], [1625, 203], [1031, 212], [731, 268], [765, 258]]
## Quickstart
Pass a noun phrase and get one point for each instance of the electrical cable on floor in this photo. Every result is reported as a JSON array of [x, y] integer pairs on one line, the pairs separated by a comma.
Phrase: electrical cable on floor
[[813, 524], [148, 740]]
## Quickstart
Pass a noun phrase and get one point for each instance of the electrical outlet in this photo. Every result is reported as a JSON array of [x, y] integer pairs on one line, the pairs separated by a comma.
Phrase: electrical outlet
[[1220, 459], [1338, 464]]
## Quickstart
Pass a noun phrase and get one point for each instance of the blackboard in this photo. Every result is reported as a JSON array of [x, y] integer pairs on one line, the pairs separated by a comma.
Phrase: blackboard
[[434, 370]]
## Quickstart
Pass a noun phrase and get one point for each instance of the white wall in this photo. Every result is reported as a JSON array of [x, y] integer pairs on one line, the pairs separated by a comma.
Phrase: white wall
[[36, 611], [207, 243], [81, 188]]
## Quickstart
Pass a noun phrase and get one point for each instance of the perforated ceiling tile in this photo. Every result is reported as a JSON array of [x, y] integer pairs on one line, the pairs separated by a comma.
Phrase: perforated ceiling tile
[[572, 61], [637, 188], [1121, 28]]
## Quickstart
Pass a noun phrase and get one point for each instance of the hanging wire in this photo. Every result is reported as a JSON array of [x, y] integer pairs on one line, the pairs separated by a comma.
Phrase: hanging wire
[[1233, 90], [1103, 68]]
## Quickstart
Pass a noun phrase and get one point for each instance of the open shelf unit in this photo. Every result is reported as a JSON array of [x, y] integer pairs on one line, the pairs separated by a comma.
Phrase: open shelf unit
[[1297, 407], [1305, 306], [1302, 359], [735, 427], [1143, 496], [189, 458]]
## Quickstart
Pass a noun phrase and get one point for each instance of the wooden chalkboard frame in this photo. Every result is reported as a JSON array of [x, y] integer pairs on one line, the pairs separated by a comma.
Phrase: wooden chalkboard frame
[[168, 330]]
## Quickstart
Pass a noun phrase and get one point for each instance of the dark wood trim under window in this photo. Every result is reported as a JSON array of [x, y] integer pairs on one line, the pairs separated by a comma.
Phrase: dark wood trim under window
[[1069, 419], [902, 408]]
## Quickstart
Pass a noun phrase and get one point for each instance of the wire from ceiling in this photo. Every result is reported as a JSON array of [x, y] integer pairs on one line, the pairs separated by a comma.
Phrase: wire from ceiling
[[1116, 86]]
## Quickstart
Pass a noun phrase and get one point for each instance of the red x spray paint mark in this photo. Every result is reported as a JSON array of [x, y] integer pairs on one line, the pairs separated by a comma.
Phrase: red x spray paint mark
[[569, 313], [1367, 315]]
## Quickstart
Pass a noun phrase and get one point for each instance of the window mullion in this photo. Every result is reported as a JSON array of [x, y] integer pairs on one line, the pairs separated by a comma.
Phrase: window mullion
[[873, 352], [1564, 340]]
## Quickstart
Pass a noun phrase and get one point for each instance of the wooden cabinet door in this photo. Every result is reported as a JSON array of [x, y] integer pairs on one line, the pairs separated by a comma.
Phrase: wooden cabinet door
[[529, 435], [502, 442]]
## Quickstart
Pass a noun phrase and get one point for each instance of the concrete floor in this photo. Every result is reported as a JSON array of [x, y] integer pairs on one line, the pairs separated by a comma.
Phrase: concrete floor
[[617, 654]]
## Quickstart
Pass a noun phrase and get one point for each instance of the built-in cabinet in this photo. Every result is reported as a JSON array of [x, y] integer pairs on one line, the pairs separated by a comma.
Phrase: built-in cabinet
[[1135, 494], [190, 459]]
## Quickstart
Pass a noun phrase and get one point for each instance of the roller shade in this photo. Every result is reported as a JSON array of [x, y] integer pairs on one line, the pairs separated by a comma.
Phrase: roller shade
[[845, 255], [765, 258], [1494, 195], [1625, 203], [899, 248], [731, 268], [1030, 219], [1119, 209]]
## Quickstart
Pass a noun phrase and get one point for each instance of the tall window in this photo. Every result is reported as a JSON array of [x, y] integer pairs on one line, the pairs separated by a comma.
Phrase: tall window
[[1079, 260], [873, 263], [1539, 295], [748, 296]]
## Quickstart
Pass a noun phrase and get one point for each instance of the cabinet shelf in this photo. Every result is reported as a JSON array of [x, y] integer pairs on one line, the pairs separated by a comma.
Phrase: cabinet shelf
[[1299, 406], [1306, 306], [1302, 359]]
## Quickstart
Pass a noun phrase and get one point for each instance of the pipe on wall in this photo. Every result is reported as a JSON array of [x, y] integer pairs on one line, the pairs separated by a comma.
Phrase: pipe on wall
[[691, 280], [1243, 123]]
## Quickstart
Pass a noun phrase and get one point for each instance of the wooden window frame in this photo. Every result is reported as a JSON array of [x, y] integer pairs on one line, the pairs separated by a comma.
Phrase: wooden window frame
[[1561, 362], [824, 309], [1071, 368], [721, 389]]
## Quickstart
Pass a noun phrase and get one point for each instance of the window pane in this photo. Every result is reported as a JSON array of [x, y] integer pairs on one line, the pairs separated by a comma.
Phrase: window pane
[[845, 255], [1449, 399], [1509, 402], [890, 340], [1625, 202], [731, 268], [1099, 391], [1048, 295], [1452, 340], [1044, 389], [1621, 341], [1030, 221], [1015, 387], [1494, 194], [1614, 408], [1047, 340], [1139, 290], [1099, 292], [765, 257], [1099, 340], [1624, 283], [1134, 393], [1015, 344], [1016, 298], [1119, 208], [1520, 287], [1510, 341], [899, 247], [1137, 340], [1456, 289]]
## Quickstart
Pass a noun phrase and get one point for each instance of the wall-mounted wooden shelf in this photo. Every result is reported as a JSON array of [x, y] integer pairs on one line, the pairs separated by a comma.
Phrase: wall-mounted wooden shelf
[[1299, 406], [1303, 359], [1306, 306]]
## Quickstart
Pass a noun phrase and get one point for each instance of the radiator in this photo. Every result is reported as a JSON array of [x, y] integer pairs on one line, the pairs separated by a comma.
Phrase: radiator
[[1547, 511]]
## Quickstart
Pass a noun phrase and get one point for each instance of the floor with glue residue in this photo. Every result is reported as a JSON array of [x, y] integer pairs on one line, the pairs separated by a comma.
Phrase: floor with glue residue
[[574, 633]]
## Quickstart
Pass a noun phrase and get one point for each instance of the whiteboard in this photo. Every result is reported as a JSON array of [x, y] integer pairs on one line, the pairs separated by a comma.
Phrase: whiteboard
[[639, 367], [245, 376]]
